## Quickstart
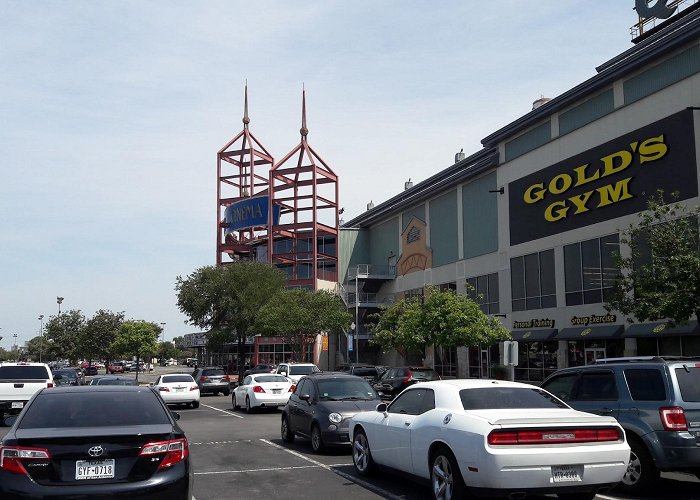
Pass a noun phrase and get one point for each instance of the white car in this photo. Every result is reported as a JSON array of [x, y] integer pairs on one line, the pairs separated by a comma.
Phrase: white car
[[178, 388], [295, 371], [492, 437], [262, 390]]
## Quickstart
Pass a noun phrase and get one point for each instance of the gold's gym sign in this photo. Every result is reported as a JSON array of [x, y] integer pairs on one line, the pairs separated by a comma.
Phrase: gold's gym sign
[[608, 181]]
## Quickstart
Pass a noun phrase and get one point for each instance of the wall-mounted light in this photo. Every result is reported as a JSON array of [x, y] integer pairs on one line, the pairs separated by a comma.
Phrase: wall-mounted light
[[499, 190]]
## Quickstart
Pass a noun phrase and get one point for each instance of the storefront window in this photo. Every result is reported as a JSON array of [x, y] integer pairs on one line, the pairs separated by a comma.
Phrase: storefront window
[[585, 352], [484, 290], [690, 346], [446, 361], [590, 270], [532, 281], [536, 360], [670, 346]]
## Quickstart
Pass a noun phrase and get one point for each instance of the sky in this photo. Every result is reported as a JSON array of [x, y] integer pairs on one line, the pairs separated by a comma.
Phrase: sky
[[112, 112]]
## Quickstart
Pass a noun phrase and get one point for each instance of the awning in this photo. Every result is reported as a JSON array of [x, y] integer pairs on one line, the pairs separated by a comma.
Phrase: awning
[[538, 335], [591, 332], [662, 329]]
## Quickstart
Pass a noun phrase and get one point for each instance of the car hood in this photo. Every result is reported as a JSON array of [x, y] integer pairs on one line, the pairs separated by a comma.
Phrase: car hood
[[350, 407]]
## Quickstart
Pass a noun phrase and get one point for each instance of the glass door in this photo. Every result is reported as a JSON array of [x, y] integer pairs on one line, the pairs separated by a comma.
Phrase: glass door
[[593, 353]]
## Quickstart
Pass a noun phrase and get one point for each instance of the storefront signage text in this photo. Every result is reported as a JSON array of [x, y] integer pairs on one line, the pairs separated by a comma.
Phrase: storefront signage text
[[593, 319], [534, 323], [250, 212]]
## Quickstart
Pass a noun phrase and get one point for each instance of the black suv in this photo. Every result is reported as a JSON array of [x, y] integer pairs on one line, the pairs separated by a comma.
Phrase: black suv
[[322, 405], [657, 402], [396, 379], [368, 372]]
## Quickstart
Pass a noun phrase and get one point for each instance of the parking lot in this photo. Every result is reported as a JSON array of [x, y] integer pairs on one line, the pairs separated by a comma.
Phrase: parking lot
[[237, 455]]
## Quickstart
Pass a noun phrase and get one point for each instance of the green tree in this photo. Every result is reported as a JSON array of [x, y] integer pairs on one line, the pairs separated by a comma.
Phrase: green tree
[[34, 347], [660, 278], [179, 342], [62, 334], [5, 355], [445, 319], [300, 315], [137, 338], [228, 298], [100, 332]]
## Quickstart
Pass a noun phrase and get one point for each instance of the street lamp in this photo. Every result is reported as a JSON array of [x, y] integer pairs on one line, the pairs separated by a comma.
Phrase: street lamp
[[59, 300], [14, 336], [41, 336], [162, 347]]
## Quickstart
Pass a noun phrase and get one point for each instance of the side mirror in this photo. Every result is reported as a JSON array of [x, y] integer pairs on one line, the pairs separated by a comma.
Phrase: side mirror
[[305, 397], [283, 373], [381, 407]]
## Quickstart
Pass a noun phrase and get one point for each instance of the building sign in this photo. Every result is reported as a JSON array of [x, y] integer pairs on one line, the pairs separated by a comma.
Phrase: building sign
[[534, 323], [195, 340], [657, 9], [606, 182], [250, 212], [593, 319]]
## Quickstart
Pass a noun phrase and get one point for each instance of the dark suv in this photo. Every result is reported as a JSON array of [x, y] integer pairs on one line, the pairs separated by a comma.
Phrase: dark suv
[[396, 379], [367, 372], [657, 402], [322, 405]]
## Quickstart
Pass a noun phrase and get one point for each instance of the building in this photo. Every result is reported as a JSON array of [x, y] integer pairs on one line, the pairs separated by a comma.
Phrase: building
[[531, 221]]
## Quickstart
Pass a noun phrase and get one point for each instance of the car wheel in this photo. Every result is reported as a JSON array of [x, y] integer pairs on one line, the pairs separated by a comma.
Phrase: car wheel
[[234, 403], [361, 454], [445, 479], [316, 440], [227, 392], [248, 408], [641, 474], [576, 496], [287, 434], [195, 404]]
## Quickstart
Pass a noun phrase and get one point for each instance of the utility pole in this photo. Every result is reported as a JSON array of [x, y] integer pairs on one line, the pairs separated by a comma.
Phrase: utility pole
[[41, 336]]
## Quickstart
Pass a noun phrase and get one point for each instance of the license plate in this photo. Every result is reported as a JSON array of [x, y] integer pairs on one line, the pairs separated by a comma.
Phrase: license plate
[[18, 404], [94, 469], [276, 391], [566, 473], [177, 389]]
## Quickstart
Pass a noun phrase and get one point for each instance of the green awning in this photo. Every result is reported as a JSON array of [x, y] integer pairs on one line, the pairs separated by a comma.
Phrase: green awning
[[662, 329], [591, 332], [536, 335]]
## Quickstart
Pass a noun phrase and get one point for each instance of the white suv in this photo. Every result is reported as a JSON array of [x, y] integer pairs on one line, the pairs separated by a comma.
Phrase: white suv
[[295, 371]]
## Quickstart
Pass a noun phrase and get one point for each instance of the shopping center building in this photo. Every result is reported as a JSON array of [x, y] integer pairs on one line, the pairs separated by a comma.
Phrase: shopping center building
[[534, 219]]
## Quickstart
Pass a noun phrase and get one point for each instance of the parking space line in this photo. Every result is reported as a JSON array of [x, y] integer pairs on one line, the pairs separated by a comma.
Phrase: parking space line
[[349, 477], [223, 411], [268, 469]]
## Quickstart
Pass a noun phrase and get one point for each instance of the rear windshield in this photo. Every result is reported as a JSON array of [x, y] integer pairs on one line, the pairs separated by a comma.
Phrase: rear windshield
[[302, 370], [213, 371], [493, 398], [424, 374], [23, 373], [689, 383], [94, 409], [365, 372], [116, 381], [270, 378], [177, 378]]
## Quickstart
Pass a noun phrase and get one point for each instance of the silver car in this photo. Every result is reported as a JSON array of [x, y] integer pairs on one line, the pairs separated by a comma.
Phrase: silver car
[[212, 380]]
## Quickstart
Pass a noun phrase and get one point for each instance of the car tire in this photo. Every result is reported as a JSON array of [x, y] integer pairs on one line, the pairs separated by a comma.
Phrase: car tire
[[287, 434], [195, 404], [316, 440], [445, 478], [577, 496], [641, 474], [248, 408], [235, 405], [361, 454], [227, 393]]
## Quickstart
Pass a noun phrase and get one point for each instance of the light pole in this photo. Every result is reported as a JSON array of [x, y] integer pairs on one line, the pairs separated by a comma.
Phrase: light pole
[[162, 347], [59, 301], [41, 336], [14, 336]]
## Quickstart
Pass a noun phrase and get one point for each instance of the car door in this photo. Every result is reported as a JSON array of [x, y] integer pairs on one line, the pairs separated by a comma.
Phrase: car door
[[307, 409], [242, 390], [596, 392], [295, 405]]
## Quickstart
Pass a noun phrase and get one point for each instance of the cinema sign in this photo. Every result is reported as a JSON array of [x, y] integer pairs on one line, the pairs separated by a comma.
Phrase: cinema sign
[[250, 212], [606, 182]]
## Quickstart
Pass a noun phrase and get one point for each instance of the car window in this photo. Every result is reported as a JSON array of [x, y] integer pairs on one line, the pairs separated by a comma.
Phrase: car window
[[428, 401], [688, 382], [424, 374], [247, 380], [400, 372], [491, 398], [85, 409], [409, 402], [365, 372], [645, 384], [300, 388], [213, 372], [283, 368], [597, 386], [270, 378], [24, 372], [168, 379], [344, 389], [310, 389], [302, 369], [561, 386]]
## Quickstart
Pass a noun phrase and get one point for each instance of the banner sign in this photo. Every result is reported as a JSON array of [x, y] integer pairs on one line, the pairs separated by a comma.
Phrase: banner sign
[[250, 212], [606, 182]]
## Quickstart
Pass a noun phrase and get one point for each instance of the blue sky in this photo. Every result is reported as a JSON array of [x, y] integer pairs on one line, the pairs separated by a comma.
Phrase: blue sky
[[112, 113]]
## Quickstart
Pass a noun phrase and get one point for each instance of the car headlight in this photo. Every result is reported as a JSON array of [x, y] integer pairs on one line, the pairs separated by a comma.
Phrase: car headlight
[[336, 418]]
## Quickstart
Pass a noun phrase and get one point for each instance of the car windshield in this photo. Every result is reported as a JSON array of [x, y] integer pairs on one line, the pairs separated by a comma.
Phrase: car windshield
[[302, 369], [493, 398], [87, 409], [66, 373], [169, 379], [270, 378], [350, 388], [688, 382]]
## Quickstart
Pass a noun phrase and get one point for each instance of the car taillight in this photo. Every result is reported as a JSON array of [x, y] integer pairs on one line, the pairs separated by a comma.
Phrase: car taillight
[[673, 418], [194, 388], [226, 378], [12, 458], [175, 450], [49, 384], [552, 436], [291, 388], [164, 389], [409, 375], [258, 389], [203, 378]]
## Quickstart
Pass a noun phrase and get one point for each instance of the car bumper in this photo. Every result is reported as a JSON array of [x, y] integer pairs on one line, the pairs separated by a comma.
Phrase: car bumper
[[269, 400], [676, 450], [180, 397], [336, 434], [204, 388]]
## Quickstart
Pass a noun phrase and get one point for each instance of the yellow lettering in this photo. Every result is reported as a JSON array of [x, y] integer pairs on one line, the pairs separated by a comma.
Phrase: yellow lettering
[[552, 213], [581, 175], [565, 184], [580, 201], [625, 158], [612, 193], [532, 196], [652, 149]]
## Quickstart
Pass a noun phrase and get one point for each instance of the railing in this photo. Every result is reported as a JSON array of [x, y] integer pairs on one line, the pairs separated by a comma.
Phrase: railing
[[365, 270]]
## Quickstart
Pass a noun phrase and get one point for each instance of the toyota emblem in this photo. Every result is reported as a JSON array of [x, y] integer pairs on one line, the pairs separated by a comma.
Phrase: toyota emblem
[[96, 451]]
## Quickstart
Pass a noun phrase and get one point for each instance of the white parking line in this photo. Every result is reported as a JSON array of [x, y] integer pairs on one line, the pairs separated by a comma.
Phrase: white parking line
[[342, 474], [268, 469], [227, 412]]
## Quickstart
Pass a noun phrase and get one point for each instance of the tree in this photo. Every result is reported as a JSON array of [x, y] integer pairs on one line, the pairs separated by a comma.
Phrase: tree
[[34, 346], [301, 315], [445, 319], [660, 279], [179, 342], [136, 338], [228, 298], [62, 333], [100, 332]]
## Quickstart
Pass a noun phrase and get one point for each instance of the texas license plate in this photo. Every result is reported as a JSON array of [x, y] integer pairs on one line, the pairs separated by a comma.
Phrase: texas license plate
[[566, 473], [18, 404], [276, 391], [178, 389], [94, 469]]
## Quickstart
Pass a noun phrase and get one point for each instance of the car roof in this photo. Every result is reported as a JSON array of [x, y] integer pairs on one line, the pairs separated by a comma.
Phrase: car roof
[[95, 388], [318, 375], [471, 383]]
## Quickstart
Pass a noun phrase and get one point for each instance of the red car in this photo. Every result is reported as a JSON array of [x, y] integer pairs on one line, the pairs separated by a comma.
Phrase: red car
[[117, 367]]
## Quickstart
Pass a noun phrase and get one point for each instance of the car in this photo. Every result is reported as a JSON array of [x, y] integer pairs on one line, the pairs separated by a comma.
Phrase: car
[[322, 405], [113, 380], [260, 368], [66, 376], [262, 390], [368, 372], [116, 367], [491, 438], [295, 371], [656, 400], [60, 447], [397, 378], [212, 380], [90, 370], [18, 383], [178, 388]]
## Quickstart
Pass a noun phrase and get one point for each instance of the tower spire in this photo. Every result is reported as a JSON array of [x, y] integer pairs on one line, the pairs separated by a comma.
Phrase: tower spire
[[304, 131], [246, 120]]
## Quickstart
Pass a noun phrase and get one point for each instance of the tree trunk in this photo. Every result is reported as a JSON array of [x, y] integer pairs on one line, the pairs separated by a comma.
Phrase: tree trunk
[[241, 357]]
